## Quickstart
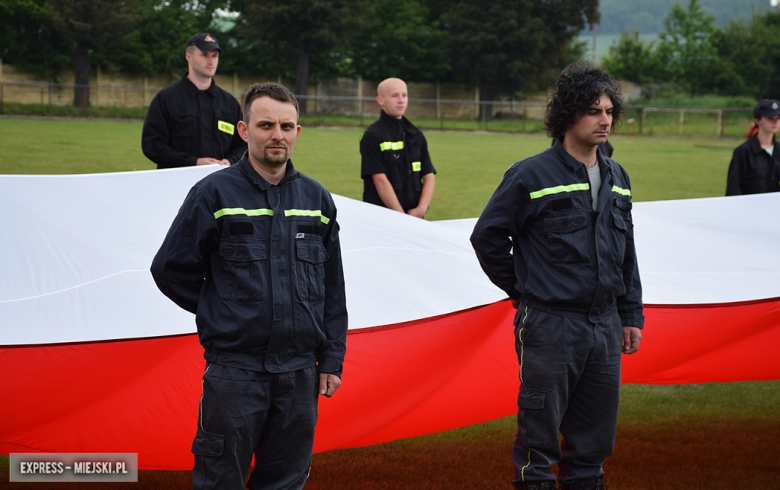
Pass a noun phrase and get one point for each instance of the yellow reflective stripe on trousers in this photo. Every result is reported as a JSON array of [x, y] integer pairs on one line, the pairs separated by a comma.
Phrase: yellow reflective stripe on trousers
[[621, 191], [391, 145], [558, 189], [522, 345], [307, 212], [202, 390], [247, 212]]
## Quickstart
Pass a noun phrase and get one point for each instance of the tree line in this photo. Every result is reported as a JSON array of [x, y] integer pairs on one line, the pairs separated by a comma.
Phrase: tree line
[[648, 17], [695, 55], [504, 47]]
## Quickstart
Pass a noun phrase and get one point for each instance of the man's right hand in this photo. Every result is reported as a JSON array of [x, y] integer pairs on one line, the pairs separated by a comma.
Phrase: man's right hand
[[209, 161], [515, 303]]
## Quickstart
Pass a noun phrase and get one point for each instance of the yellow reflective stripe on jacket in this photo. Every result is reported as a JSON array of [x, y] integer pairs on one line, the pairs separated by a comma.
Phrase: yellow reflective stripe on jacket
[[307, 212], [248, 212], [558, 189], [391, 145], [621, 191], [270, 212], [416, 166]]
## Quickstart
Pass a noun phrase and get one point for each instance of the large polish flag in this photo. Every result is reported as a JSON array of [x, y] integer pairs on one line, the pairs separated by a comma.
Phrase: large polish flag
[[95, 359]]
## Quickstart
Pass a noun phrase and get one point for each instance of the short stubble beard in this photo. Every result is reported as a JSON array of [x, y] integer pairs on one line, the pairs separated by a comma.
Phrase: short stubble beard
[[275, 161]]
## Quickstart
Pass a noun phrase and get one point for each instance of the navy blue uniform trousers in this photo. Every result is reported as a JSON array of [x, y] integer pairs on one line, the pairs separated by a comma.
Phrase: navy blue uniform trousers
[[245, 412], [570, 382]]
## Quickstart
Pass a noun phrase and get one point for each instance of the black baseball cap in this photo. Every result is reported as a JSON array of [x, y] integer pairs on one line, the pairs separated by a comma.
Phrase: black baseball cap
[[766, 108], [204, 41]]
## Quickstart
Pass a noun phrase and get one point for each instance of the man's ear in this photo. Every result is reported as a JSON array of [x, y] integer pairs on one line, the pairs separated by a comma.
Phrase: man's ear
[[243, 130]]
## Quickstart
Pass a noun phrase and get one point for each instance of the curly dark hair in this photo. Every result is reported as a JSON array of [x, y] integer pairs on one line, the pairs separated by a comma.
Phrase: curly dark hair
[[268, 89], [579, 86]]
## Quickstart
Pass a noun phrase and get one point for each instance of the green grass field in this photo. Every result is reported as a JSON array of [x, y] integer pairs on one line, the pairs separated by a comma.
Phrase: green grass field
[[708, 436], [469, 165]]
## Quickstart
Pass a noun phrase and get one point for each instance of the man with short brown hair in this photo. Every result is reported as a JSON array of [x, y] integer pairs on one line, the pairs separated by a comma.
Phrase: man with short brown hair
[[254, 252], [192, 121]]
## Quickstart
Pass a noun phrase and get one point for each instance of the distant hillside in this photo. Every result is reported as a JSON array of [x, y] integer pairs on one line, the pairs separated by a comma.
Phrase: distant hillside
[[648, 16]]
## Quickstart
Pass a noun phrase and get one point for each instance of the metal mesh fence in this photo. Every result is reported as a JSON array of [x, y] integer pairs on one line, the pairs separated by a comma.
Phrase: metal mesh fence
[[347, 110]]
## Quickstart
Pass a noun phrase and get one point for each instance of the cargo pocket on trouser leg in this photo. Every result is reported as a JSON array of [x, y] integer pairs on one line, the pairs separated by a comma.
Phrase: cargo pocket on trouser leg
[[210, 468], [531, 451], [531, 403]]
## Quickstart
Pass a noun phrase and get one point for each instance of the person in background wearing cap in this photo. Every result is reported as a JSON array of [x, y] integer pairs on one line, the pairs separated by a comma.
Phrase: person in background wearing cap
[[755, 166], [192, 121], [396, 168]]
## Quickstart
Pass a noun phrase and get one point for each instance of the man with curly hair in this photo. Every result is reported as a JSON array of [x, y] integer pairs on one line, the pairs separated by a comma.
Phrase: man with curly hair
[[557, 236]]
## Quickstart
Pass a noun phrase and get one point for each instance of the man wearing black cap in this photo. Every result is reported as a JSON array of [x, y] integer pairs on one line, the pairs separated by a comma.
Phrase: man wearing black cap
[[192, 121], [755, 166]]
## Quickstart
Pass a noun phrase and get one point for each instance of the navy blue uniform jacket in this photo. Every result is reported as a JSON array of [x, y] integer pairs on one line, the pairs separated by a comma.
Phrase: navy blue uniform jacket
[[752, 170], [184, 124], [260, 266], [539, 239]]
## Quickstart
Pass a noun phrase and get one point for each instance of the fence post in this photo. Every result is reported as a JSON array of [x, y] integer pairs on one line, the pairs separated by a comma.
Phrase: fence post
[[682, 121], [476, 101], [438, 100], [525, 115], [83, 101], [642, 115], [719, 129], [482, 110], [360, 98]]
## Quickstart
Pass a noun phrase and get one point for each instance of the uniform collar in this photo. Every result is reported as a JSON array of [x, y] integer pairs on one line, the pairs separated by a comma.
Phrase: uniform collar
[[575, 164], [193, 90], [392, 121], [251, 174], [755, 145]]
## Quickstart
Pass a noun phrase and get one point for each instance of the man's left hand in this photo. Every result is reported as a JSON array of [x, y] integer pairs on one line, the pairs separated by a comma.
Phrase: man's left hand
[[329, 383], [632, 336], [417, 212]]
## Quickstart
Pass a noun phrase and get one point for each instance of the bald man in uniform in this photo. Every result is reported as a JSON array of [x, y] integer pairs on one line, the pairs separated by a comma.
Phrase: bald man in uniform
[[396, 168]]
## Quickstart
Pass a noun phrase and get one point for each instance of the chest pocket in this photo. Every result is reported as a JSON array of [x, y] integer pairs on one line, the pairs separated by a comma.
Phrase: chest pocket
[[415, 163], [225, 129], [310, 268], [395, 166], [567, 238], [245, 269], [183, 123], [621, 224]]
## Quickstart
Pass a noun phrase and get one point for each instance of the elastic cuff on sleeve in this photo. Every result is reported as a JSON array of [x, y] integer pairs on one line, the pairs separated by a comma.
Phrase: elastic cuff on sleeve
[[330, 365], [637, 321]]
